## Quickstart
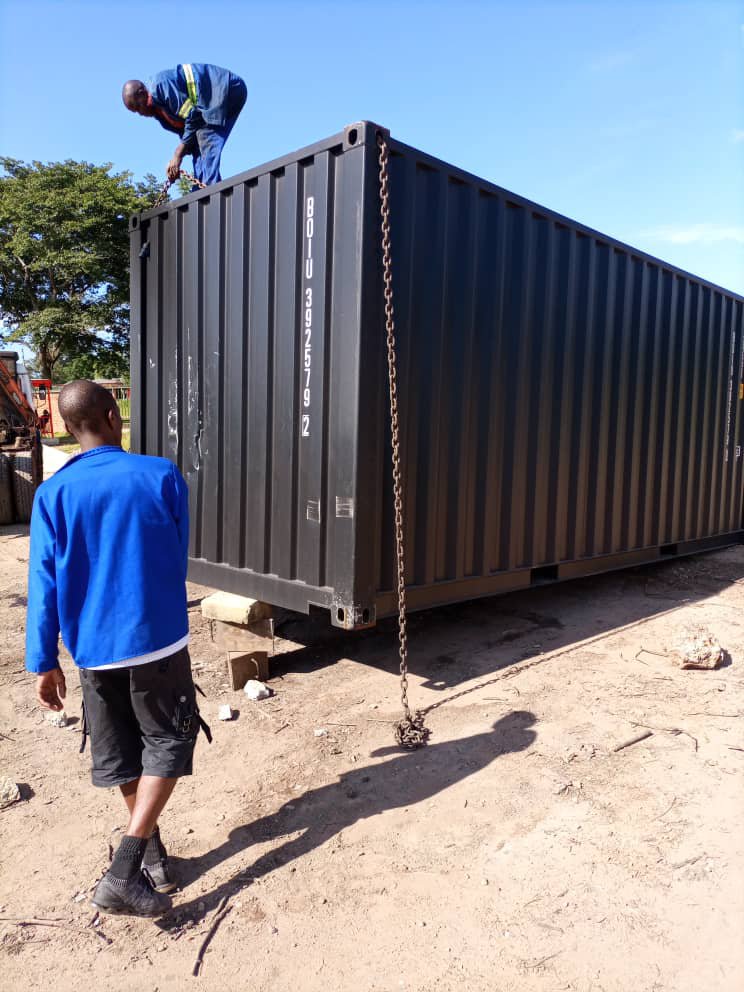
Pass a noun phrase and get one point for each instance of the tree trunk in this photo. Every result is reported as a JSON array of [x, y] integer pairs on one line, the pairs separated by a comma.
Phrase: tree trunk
[[46, 364]]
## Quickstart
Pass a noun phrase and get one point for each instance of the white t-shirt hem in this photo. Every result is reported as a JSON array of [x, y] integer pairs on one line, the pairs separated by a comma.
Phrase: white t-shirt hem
[[142, 659]]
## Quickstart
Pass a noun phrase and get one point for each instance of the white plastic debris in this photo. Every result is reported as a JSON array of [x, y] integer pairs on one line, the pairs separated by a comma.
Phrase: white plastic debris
[[225, 712], [57, 719], [256, 690], [320, 732], [9, 792]]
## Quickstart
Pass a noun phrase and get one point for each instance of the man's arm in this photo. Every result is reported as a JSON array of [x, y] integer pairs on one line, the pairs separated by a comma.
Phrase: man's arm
[[51, 689], [186, 146], [193, 122], [173, 168], [171, 123], [42, 619]]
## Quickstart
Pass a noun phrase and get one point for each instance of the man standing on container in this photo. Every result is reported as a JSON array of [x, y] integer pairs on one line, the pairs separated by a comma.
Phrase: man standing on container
[[198, 102]]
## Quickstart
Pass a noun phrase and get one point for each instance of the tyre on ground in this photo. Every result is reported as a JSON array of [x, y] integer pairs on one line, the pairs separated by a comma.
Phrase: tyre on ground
[[7, 510], [26, 478]]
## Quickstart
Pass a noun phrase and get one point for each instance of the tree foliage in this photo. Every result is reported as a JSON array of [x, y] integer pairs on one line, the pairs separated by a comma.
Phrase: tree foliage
[[64, 262]]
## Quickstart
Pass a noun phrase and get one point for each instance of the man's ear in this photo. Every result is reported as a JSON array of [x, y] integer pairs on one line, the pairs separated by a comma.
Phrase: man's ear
[[69, 429]]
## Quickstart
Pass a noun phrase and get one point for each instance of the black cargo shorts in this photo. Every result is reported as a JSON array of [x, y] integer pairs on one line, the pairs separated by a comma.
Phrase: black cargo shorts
[[141, 720]]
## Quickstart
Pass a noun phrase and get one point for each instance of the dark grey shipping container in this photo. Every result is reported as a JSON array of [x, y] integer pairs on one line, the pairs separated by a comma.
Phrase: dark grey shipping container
[[569, 405]]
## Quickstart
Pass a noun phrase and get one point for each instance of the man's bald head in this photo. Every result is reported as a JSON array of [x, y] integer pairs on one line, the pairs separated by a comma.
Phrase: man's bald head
[[89, 409], [135, 95]]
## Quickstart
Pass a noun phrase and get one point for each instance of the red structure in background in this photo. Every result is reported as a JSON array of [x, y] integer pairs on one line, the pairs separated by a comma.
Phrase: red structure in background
[[43, 404]]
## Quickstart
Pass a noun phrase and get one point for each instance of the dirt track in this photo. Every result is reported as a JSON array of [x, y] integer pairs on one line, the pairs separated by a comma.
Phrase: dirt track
[[517, 852]]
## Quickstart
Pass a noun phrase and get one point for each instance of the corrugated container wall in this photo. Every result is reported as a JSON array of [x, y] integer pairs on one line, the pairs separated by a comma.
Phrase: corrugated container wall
[[568, 404]]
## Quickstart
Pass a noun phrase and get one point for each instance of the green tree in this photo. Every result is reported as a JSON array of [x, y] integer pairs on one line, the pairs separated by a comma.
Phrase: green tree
[[64, 262], [99, 364]]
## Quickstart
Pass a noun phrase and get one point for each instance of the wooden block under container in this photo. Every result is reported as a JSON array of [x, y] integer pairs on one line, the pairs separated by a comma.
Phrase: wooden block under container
[[243, 637], [245, 665]]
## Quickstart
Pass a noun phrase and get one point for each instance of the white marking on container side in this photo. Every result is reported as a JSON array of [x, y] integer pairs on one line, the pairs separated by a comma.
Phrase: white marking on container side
[[730, 398], [344, 507], [313, 510], [307, 321]]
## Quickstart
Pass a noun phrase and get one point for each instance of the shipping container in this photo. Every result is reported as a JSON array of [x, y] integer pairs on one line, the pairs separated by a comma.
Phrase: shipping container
[[569, 404]]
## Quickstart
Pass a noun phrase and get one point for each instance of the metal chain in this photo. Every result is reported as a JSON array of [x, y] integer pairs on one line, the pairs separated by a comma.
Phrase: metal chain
[[410, 731], [163, 194]]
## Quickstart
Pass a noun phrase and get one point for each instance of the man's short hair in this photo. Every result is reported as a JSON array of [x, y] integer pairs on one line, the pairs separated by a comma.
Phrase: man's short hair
[[84, 405], [131, 89]]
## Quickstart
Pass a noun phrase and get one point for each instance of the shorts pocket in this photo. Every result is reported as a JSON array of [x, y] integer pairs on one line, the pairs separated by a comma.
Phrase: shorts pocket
[[186, 716]]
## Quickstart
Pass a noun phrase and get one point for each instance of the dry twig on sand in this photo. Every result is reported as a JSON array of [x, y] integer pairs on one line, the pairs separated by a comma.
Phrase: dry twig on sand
[[656, 654], [667, 730], [671, 806], [634, 740], [220, 913], [20, 922]]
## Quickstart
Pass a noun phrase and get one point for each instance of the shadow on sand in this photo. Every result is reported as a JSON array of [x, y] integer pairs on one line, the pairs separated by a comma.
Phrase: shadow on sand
[[405, 779]]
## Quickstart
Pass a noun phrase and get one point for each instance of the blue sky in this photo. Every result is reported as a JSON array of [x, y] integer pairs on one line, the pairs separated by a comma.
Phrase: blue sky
[[627, 116]]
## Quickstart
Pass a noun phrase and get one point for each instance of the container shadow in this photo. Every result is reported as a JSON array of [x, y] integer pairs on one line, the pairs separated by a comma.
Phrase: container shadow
[[15, 530], [405, 779], [451, 645]]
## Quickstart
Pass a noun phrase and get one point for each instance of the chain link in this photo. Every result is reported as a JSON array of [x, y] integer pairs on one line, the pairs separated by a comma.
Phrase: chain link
[[410, 731], [163, 194]]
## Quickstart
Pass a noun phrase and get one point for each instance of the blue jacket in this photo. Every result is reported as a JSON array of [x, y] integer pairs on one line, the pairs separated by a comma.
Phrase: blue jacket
[[109, 551], [194, 93]]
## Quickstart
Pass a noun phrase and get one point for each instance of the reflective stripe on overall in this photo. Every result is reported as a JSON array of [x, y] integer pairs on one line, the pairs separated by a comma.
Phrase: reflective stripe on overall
[[191, 101]]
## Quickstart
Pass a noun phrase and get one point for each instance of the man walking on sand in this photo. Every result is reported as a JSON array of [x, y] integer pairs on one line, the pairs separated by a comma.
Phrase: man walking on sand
[[109, 546]]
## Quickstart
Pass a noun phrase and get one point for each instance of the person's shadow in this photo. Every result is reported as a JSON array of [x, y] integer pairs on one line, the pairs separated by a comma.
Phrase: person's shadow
[[409, 777]]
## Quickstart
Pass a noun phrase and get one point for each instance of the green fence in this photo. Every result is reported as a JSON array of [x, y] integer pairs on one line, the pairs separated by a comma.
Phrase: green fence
[[122, 395]]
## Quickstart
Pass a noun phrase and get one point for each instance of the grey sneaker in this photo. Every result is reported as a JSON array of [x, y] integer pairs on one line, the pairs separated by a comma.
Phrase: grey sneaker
[[157, 870], [135, 897], [159, 876]]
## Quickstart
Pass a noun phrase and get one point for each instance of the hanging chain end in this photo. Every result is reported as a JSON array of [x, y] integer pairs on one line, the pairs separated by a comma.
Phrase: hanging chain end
[[411, 732]]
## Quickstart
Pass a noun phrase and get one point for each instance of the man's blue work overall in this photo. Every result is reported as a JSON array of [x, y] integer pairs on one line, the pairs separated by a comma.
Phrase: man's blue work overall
[[208, 100]]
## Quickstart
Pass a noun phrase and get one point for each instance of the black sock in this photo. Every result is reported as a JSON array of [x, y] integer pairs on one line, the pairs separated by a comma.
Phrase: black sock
[[128, 858], [154, 852]]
